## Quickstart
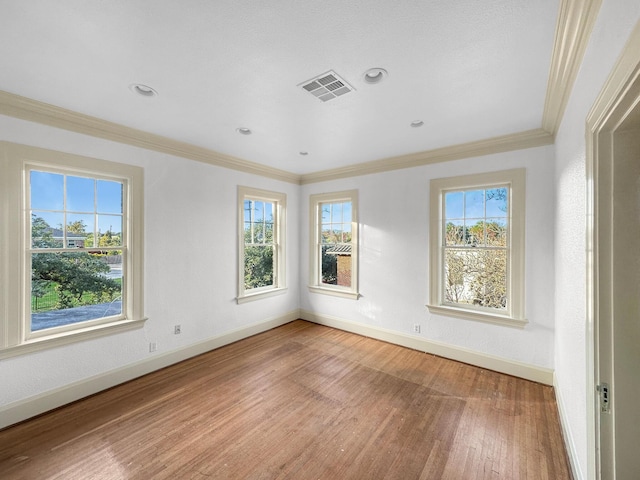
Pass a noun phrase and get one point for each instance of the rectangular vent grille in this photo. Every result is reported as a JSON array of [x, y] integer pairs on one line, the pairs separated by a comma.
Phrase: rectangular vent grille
[[327, 86]]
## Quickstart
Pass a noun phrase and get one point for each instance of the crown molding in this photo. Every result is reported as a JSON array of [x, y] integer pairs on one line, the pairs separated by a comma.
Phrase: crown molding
[[40, 112], [573, 30], [44, 113], [504, 143], [622, 77]]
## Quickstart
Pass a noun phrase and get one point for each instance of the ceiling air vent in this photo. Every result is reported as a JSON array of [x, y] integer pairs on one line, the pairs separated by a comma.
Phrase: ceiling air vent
[[327, 86]]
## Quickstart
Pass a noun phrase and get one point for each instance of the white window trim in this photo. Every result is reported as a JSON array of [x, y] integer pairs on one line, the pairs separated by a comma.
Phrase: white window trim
[[315, 285], [516, 180], [15, 336], [280, 285]]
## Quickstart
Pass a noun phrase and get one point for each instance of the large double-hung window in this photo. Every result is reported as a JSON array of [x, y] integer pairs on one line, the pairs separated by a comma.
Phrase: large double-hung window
[[72, 244], [333, 234], [477, 247], [261, 239]]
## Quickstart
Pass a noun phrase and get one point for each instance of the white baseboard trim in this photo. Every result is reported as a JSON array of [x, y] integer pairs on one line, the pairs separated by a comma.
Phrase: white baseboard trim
[[483, 360], [566, 434], [24, 409]]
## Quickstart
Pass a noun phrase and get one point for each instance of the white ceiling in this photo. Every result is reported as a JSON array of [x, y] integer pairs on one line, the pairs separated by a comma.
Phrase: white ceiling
[[470, 69]]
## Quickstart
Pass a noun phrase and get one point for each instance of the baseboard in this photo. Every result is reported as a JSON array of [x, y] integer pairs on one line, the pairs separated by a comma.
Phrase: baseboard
[[566, 434], [483, 360], [36, 405]]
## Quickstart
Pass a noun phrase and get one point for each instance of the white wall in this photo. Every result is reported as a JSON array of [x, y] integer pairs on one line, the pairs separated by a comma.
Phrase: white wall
[[190, 263], [615, 22], [394, 258]]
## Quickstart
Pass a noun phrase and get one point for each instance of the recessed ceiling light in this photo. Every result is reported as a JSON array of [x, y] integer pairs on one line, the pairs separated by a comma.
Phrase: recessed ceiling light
[[375, 75], [303, 153], [143, 90], [417, 123], [244, 131]]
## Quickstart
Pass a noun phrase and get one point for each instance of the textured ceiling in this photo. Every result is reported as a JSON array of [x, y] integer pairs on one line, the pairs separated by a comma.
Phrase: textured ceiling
[[469, 69]]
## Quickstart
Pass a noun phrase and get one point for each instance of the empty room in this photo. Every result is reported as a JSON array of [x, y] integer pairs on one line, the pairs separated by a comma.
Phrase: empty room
[[319, 240]]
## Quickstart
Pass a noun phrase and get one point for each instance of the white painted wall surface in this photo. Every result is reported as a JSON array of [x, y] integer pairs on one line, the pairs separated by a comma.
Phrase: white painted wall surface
[[615, 22], [394, 258], [190, 263]]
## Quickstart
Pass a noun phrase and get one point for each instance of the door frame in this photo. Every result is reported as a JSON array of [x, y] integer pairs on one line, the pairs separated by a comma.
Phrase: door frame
[[619, 96]]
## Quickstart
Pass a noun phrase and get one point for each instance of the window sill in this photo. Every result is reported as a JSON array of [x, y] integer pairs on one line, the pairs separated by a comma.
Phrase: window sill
[[334, 291], [477, 316], [250, 297], [66, 338]]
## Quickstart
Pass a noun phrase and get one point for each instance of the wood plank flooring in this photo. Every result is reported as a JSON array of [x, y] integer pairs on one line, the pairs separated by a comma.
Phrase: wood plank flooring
[[300, 402]]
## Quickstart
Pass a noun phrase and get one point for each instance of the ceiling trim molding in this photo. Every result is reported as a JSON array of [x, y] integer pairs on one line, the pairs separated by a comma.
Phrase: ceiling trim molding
[[576, 19], [504, 143], [34, 111], [624, 74]]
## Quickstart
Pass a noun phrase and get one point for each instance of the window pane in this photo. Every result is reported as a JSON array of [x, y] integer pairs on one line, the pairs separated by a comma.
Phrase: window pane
[[247, 233], [474, 204], [336, 233], [346, 235], [476, 277], [326, 235], [258, 233], [258, 211], [72, 287], [47, 190], [268, 212], [346, 212], [109, 197], [336, 214], [453, 203], [43, 234], [80, 194], [80, 230], [268, 233], [497, 202], [326, 212], [336, 265], [329, 267], [247, 210], [496, 232], [258, 266], [109, 230], [474, 233], [454, 233]]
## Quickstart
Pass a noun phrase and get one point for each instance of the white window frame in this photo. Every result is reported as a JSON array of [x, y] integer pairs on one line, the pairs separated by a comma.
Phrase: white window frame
[[515, 180], [279, 237], [16, 337], [315, 260]]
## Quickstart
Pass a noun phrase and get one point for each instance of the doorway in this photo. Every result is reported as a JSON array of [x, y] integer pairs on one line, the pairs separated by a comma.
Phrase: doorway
[[613, 270]]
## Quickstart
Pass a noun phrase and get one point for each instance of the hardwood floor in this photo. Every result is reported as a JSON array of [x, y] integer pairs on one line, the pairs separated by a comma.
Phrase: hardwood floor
[[299, 402]]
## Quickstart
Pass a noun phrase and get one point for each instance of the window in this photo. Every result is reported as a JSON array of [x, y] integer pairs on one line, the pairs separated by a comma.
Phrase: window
[[477, 247], [334, 244], [72, 242], [261, 221]]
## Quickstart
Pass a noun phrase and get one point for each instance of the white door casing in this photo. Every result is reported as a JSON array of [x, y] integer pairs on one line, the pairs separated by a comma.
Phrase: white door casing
[[613, 269]]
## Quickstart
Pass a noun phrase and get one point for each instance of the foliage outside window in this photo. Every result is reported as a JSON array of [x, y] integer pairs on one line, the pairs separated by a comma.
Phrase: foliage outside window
[[261, 250], [477, 246], [76, 248], [80, 256], [333, 234]]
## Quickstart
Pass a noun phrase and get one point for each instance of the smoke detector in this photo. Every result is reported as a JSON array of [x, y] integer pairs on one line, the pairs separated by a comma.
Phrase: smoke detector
[[327, 86]]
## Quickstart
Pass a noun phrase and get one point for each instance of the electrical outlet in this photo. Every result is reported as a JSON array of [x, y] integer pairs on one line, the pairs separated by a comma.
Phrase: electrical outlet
[[416, 328], [176, 330], [152, 347]]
